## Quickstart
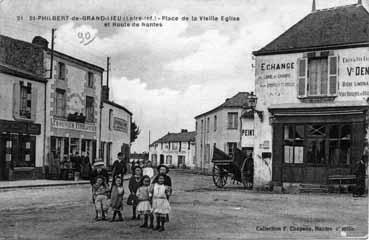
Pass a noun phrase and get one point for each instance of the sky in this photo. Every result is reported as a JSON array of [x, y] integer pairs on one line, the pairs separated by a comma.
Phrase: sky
[[169, 74]]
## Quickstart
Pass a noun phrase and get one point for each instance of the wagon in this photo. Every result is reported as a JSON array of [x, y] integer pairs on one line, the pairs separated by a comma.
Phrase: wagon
[[236, 168]]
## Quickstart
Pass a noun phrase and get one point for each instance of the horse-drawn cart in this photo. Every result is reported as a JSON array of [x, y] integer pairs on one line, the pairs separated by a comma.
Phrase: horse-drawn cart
[[237, 168]]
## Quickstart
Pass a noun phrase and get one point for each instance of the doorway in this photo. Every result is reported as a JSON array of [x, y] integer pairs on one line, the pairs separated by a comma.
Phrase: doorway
[[161, 159]]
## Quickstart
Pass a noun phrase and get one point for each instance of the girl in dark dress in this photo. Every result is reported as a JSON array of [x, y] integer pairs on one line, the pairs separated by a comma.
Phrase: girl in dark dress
[[134, 184]]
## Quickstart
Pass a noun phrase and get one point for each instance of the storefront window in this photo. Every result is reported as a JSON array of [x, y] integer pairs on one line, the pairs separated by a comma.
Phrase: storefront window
[[324, 144], [294, 143]]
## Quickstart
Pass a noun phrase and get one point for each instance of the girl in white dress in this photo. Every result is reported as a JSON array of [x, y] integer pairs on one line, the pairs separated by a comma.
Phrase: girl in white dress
[[144, 204], [160, 203]]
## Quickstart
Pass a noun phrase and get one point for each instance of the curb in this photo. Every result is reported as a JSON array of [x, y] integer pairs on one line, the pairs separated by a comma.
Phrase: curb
[[47, 185]]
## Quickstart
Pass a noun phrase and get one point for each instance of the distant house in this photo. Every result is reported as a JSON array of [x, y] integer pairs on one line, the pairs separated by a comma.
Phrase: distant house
[[228, 126], [138, 157], [174, 149]]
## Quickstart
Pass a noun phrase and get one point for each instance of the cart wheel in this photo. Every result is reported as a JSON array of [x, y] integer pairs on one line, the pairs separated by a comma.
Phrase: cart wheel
[[219, 176], [246, 177]]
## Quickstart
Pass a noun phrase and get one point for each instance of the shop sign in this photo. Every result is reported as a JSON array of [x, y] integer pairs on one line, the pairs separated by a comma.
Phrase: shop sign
[[354, 80], [61, 124], [120, 125]]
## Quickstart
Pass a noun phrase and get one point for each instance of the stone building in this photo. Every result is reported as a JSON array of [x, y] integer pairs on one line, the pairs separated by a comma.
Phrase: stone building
[[22, 108], [224, 127], [174, 150], [312, 89], [73, 107]]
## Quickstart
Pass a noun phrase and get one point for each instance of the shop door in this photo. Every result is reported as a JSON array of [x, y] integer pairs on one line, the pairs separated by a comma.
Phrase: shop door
[[2, 159], [316, 155], [161, 159]]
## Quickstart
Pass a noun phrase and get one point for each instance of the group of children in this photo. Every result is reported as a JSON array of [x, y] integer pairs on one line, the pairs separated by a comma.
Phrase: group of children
[[149, 197]]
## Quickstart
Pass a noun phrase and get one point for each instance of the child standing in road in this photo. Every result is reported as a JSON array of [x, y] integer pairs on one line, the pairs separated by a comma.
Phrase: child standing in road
[[160, 203], [134, 184], [117, 199], [144, 205], [100, 192]]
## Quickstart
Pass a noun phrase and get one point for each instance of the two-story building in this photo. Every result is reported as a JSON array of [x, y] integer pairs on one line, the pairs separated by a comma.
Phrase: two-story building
[[312, 86], [22, 104], [226, 127], [174, 149]]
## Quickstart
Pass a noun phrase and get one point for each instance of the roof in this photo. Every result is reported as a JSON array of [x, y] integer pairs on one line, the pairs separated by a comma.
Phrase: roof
[[240, 100], [339, 27], [118, 106], [177, 137], [4, 68], [79, 61]]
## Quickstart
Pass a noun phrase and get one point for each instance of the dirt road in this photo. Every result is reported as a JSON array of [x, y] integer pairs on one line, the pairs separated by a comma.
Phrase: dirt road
[[200, 211]]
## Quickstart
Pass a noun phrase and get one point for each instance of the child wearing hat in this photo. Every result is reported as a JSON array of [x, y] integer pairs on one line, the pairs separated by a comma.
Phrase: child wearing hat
[[100, 197]]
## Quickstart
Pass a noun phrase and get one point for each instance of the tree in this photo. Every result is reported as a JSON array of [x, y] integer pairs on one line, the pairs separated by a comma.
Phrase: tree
[[135, 131]]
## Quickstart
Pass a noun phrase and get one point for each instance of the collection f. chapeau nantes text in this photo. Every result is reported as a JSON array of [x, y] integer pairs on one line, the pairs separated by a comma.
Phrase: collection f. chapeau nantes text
[[126, 21]]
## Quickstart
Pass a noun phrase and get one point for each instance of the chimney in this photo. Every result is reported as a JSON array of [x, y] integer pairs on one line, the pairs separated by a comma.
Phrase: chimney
[[105, 93], [184, 130], [313, 8], [360, 2], [40, 41]]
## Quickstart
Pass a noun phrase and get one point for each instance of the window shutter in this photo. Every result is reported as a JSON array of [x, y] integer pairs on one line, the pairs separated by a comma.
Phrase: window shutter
[[16, 99], [332, 74], [34, 103], [302, 76]]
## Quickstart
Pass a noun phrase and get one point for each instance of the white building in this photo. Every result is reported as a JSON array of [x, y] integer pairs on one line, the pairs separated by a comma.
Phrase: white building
[[312, 86], [174, 149], [115, 130], [228, 126]]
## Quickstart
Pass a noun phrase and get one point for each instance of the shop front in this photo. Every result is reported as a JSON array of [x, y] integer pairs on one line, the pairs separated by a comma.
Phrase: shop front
[[68, 140], [18, 149], [313, 142]]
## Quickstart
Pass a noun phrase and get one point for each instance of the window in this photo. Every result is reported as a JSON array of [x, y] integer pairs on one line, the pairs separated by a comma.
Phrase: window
[[317, 76], [61, 72], [110, 118], [215, 123], [25, 100], [26, 157], [175, 146], [90, 110], [90, 82], [318, 144], [231, 148], [202, 126], [232, 120], [208, 125], [169, 160], [294, 143], [60, 103]]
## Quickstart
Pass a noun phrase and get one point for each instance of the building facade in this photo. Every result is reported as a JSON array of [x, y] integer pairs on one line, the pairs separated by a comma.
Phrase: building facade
[[22, 98], [115, 130], [174, 150], [225, 127], [312, 89], [73, 109]]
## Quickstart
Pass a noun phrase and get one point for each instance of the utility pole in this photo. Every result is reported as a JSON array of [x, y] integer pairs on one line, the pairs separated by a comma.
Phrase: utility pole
[[52, 52], [107, 70], [149, 139]]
